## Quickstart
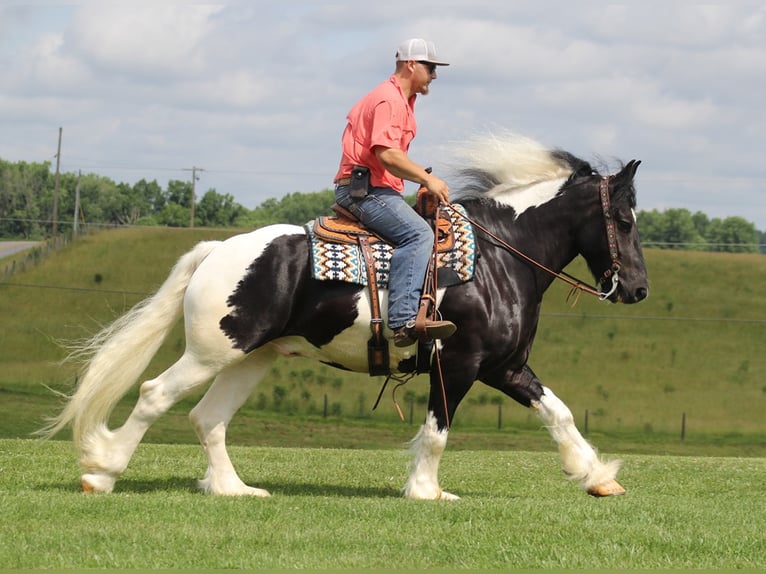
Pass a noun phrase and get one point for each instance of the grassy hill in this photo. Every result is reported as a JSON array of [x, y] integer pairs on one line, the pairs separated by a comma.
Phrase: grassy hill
[[693, 349]]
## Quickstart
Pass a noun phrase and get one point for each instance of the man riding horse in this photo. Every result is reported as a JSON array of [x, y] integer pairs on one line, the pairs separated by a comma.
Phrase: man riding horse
[[370, 184]]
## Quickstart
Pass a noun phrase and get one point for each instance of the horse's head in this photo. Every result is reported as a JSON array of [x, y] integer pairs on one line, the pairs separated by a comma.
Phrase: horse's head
[[552, 191], [612, 249]]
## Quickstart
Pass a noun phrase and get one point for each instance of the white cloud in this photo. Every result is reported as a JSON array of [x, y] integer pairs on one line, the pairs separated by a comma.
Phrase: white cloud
[[256, 92], [143, 39]]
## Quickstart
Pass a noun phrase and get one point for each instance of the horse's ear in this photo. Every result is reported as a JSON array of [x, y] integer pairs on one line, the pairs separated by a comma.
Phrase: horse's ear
[[629, 170]]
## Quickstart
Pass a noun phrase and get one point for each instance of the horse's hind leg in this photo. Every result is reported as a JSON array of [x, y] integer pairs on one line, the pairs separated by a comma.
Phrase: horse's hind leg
[[105, 454], [211, 416]]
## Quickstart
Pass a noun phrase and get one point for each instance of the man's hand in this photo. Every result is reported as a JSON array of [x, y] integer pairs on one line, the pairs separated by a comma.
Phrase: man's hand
[[438, 188]]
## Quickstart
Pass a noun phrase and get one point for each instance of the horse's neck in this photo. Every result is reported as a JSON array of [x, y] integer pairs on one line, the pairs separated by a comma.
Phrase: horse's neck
[[539, 234]]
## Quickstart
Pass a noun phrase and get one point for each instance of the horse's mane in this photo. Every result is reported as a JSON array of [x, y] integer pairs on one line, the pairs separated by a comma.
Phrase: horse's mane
[[494, 164]]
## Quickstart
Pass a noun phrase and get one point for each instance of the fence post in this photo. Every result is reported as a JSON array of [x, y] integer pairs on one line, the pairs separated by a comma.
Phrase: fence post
[[325, 406], [585, 427], [683, 427], [499, 416], [412, 410]]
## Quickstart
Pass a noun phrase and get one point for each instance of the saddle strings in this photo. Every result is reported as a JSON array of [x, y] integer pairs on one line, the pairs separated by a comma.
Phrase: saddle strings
[[435, 311]]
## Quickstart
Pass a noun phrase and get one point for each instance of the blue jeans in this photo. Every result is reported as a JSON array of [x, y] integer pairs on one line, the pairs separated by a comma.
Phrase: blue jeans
[[385, 212]]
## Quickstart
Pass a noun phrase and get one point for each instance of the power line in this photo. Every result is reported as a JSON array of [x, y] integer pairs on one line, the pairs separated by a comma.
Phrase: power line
[[83, 289], [95, 165]]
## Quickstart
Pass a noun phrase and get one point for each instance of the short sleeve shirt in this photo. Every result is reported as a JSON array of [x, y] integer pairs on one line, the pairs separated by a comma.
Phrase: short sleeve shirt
[[385, 118]]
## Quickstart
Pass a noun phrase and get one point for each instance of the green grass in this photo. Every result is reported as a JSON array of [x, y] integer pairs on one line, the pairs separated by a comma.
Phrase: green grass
[[694, 348], [341, 508]]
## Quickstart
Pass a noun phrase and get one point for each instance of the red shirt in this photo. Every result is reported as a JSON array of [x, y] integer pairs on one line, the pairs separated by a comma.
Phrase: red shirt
[[384, 117]]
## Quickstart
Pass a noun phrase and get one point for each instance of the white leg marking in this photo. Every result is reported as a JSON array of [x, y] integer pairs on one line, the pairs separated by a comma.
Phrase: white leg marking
[[427, 448], [579, 459], [105, 454], [211, 416]]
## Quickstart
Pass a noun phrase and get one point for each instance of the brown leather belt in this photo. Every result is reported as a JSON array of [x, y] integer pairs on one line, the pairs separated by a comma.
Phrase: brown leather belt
[[343, 181]]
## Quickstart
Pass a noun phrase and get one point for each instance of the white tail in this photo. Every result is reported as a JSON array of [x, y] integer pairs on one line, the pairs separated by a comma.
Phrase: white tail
[[116, 357]]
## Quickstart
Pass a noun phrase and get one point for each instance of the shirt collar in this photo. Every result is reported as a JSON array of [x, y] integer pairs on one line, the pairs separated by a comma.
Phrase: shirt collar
[[413, 97]]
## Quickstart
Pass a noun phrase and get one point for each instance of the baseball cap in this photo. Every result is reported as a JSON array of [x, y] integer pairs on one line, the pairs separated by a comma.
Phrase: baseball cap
[[418, 50]]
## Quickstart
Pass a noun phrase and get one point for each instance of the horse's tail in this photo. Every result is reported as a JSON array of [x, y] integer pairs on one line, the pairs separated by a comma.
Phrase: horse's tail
[[116, 356]]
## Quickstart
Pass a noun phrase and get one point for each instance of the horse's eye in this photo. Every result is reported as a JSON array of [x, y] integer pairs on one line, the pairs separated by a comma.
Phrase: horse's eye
[[624, 225]]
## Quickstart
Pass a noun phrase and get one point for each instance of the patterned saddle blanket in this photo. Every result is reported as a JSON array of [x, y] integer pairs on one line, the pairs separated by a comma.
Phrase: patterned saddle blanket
[[337, 256]]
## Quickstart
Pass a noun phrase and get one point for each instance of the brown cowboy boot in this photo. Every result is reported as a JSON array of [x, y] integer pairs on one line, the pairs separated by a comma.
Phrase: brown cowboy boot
[[407, 335]]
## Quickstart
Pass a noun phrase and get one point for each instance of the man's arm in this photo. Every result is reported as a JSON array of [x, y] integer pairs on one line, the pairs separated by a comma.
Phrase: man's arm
[[399, 164]]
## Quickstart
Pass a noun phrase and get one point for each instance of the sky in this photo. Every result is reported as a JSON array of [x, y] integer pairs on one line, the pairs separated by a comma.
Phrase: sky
[[256, 92]]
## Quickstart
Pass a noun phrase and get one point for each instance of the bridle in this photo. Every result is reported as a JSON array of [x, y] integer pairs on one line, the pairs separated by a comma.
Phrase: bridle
[[611, 237], [611, 274]]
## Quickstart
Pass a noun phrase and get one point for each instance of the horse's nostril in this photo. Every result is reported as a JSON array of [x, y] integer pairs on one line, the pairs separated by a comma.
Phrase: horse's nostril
[[641, 293]]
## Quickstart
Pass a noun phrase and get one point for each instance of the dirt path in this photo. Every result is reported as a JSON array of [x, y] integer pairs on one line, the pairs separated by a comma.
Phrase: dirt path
[[8, 248]]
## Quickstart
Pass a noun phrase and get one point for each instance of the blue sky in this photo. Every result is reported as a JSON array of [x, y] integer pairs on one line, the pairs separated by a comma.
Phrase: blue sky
[[256, 92]]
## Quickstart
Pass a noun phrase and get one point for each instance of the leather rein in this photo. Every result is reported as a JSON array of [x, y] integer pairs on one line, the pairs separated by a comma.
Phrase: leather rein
[[577, 285]]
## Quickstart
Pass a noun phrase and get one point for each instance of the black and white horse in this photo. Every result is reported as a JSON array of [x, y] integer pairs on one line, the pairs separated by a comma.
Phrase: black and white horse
[[251, 299]]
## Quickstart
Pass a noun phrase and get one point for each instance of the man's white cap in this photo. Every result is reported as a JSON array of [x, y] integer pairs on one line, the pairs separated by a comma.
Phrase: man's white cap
[[418, 50]]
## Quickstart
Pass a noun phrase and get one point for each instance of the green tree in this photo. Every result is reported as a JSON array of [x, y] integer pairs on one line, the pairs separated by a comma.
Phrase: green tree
[[733, 235], [101, 199], [179, 192], [680, 229], [151, 195], [675, 228], [650, 227], [701, 224], [21, 187], [216, 210], [296, 208], [174, 215]]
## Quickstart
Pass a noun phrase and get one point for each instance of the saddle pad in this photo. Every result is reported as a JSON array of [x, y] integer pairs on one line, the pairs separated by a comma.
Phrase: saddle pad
[[335, 261]]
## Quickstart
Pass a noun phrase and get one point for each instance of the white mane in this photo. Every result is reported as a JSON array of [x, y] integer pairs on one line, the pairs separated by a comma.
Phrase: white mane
[[512, 169]]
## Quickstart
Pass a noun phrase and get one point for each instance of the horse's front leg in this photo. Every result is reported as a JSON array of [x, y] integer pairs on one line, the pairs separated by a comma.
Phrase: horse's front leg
[[579, 460], [431, 440], [427, 448]]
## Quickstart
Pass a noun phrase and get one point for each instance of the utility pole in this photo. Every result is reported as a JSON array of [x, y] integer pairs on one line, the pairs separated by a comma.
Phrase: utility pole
[[56, 188], [194, 171], [75, 227]]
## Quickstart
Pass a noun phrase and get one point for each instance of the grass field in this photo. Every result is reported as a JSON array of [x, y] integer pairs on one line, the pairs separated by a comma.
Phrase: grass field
[[693, 349], [341, 509]]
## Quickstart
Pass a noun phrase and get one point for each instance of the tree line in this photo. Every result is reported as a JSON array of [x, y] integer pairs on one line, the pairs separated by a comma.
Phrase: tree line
[[682, 229], [27, 208]]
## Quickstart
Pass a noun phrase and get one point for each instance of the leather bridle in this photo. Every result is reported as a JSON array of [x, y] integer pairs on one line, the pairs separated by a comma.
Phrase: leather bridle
[[611, 274], [611, 236]]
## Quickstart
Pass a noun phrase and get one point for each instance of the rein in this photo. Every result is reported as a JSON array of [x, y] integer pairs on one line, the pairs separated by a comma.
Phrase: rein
[[576, 284]]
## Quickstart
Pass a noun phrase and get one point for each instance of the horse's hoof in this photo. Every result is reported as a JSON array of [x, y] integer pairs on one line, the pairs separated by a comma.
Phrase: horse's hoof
[[609, 488], [257, 492], [92, 483], [443, 495]]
